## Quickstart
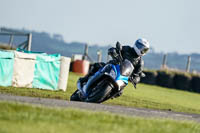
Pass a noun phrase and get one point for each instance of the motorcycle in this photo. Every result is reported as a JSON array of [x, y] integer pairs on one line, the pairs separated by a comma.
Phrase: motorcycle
[[107, 83]]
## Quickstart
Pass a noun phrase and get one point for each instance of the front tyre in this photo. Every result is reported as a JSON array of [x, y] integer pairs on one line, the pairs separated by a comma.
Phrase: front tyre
[[75, 96], [99, 93]]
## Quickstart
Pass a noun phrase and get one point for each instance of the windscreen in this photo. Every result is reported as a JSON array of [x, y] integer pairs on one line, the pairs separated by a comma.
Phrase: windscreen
[[126, 68]]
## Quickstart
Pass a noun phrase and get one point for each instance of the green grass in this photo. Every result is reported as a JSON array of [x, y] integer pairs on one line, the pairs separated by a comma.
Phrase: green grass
[[146, 96], [24, 118], [44, 93], [155, 97]]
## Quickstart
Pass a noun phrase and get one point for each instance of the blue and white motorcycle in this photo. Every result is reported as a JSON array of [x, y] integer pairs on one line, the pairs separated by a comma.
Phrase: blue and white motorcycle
[[108, 82]]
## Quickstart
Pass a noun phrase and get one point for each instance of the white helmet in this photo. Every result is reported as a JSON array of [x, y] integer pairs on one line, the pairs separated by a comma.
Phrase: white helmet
[[141, 46]]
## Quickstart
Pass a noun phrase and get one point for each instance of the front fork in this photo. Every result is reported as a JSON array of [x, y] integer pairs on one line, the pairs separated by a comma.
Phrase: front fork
[[82, 94]]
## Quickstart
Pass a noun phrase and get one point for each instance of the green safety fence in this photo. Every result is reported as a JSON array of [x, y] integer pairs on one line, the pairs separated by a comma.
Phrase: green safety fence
[[47, 70], [6, 68]]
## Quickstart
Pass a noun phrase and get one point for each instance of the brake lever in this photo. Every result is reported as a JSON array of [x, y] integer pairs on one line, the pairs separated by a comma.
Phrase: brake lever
[[134, 84]]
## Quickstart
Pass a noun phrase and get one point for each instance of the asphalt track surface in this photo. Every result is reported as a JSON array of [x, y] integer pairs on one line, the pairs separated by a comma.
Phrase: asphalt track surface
[[149, 113]]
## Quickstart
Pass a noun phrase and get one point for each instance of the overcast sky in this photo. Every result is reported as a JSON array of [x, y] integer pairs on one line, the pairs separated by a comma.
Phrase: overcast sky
[[169, 25]]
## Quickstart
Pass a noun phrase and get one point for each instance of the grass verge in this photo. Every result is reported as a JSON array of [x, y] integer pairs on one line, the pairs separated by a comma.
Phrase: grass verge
[[146, 96], [23, 118]]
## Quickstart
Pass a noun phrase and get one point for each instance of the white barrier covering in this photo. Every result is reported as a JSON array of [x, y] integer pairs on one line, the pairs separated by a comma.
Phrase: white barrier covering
[[24, 65], [64, 72]]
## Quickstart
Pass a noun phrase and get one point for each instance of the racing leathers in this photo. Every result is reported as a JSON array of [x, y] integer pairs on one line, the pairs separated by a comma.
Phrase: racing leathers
[[127, 53]]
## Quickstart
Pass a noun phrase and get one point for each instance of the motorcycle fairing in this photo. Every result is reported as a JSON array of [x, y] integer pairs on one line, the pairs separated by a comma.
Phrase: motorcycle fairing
[[96, 78], [119, 76]]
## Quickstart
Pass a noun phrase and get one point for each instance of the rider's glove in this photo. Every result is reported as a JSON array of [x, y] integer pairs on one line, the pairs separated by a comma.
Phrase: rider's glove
[[135, 78], [113, 53]]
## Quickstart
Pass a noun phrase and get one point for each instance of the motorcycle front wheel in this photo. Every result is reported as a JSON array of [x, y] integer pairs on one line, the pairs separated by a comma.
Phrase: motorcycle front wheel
[[75, 96], [100, 93]]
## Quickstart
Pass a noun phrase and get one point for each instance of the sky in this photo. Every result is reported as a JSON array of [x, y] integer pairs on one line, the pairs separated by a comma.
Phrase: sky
[[169, 25]]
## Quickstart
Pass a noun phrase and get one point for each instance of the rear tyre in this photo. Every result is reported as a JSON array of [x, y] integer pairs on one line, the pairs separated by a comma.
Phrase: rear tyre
[[100, 92], [75, 96]]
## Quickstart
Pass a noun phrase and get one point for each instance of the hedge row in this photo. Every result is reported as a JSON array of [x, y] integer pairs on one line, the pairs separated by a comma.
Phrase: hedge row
[[173, 79], [170, 79]]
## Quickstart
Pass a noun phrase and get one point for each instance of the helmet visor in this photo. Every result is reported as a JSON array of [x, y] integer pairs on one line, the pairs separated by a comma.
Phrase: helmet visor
[[142, 48], [144, 51]]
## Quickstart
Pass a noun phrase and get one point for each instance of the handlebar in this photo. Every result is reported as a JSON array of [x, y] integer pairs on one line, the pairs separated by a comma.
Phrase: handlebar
[[119, 48]]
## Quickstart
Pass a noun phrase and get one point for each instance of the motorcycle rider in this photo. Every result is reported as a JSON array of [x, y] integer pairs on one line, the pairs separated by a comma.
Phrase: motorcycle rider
[[133, 54]]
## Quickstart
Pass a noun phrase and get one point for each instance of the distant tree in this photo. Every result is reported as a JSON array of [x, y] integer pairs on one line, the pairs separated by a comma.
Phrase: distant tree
[[58, 37]]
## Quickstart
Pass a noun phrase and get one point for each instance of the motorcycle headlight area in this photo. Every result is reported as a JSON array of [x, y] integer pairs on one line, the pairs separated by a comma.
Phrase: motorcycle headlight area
[[113, 74]]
